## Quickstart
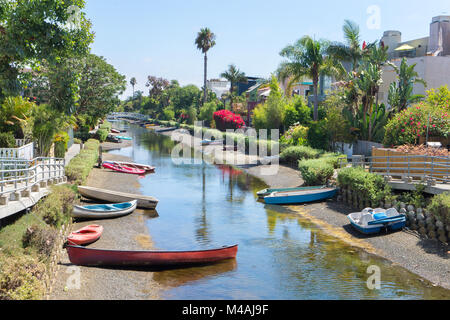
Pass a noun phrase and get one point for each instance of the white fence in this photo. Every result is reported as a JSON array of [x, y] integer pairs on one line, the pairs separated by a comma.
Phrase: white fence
[[23, 152]]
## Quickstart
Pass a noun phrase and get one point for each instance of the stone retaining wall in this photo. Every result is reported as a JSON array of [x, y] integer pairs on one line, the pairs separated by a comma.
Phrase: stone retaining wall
[[417, 219]]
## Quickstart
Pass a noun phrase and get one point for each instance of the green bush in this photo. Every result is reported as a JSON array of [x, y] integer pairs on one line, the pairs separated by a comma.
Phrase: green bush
[[80, 166], [7, 140], [101, 135], [315, 171], [334, 158], [295, 153], [55, 209], [106, 126], [77, 141], [318, 136], [40, 238], [370, 185], [440, 207]]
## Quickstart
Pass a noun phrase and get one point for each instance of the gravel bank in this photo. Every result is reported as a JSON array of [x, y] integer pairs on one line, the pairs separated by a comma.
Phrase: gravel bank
[[128, 232]]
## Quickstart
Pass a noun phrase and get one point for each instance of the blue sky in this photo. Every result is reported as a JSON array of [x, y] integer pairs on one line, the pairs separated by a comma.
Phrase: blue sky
[[156, 37]]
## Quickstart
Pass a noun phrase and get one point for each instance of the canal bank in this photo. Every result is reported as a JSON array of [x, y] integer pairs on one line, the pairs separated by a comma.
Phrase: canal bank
[[129, 232], [427, 258]]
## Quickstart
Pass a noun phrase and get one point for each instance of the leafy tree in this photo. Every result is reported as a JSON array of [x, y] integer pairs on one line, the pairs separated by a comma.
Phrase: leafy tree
[[31, 31], [234, 75], [308, 57], [205, 40], [400, 95], [207, 112]]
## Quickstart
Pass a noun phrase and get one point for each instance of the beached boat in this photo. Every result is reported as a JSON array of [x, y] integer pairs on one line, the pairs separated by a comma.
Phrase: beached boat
[[98, 257], [124, 138], [267, 192], [121, 168], [115, 131], [370, 221], [104, 211], [303, 196], [112, 138], [133, 165], [144, 202], [208, 142], [86, 235]]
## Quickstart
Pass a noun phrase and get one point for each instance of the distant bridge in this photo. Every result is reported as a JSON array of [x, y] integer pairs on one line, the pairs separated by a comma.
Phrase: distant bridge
[[127, 115]]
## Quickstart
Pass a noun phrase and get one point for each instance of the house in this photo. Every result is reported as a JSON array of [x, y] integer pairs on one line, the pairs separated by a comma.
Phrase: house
[[218, 86], [430, 54]]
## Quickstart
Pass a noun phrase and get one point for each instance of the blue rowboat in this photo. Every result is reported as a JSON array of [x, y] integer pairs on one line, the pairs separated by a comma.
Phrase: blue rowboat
[[371, 221], [124, 138], [302, 196], [104, 211], [267, 192]]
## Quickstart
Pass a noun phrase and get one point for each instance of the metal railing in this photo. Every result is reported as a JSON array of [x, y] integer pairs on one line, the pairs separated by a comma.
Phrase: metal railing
[[18, 174], [22, 152], [408, 168]]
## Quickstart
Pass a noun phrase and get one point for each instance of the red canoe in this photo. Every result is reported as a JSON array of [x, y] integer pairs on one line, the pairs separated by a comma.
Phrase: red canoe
[[115, 131], [123, 169], [86, 235], [98, 257]]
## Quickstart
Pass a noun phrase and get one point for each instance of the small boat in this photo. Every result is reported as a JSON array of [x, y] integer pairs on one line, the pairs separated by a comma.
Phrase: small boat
[[303, 196], [115, 131], [144, 202], [133, 165], [104, 211], [112, 138], [266, 192], [86, 235], [124, 138], [370, 221], [208, 142], [98, 257], [121, 168]]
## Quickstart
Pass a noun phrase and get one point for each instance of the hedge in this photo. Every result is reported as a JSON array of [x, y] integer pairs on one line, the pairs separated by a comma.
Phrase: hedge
[[7, 140], [315, 172], [440, 207], [296, 153], [80, 166], [369, 185]]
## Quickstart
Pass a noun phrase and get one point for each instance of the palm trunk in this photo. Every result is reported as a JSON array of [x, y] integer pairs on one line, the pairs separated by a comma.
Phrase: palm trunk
[[204, 79], [316, 98]]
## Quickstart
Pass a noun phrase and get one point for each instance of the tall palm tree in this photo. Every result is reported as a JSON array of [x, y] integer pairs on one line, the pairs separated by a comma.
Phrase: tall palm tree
[[205, 40], [133, 82], [308, 57], [352, 51], [234, 75]]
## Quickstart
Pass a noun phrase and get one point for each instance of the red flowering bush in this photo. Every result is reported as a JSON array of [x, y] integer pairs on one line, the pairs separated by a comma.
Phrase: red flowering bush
[[409, 125], [226, 119]]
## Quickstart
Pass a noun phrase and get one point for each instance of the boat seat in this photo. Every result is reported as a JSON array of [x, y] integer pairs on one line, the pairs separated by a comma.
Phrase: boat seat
[[365, 219]]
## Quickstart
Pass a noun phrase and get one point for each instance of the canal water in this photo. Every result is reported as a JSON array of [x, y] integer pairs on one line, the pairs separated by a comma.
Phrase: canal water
[[281, 255]]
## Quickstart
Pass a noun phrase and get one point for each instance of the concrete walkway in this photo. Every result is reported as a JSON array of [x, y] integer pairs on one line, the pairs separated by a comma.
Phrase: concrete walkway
[[73, 151]]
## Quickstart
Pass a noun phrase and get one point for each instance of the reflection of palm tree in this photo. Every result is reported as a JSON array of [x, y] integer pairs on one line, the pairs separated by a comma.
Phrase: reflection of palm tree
[[202, 222]]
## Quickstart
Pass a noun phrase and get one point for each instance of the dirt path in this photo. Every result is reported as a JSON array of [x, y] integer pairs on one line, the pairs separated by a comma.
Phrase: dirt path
[[128, 232]]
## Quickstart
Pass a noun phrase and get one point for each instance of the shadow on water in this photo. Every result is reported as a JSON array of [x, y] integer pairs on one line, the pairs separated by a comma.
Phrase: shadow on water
[[281, 255]]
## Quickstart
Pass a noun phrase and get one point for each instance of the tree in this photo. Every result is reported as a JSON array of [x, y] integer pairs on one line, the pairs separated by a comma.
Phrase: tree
[[133, 82], [205, 40], [234, 75], [308, 57], [31, 31], [400, 95]]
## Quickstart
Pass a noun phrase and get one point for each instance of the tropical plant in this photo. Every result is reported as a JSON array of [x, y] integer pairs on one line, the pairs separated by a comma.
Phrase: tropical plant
[[16, 117], [235, 76], [205, 40], [133, 83], [401, 94], [207, 112], [308, 57]]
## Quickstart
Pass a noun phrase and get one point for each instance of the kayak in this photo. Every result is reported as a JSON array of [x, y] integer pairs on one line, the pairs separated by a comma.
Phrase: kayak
[[104, 211], [124, 138], [132, 165], [115, 131], [100, 257], [266, 192], [304, 196], [143, 202], [86, 235], [124, 169]]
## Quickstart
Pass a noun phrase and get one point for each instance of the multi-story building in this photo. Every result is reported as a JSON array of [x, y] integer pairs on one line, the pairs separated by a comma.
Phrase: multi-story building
[[430, 54]]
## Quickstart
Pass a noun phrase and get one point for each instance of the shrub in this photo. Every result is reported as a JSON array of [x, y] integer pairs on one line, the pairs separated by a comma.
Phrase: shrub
[[106, 126], [42, 239], [20, 278], [318, 136], [55, 209], [315, 171], [368, 184], [80, 166], [334, 158], [61, 142], [7, 140], [295, 153], [226, 119], [303, 111], [440, 207], [296, 135], [207, 112], [77, 141]]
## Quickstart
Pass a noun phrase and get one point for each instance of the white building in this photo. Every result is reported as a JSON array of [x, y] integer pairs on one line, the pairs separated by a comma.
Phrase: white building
[[430, 54], [218, 86]]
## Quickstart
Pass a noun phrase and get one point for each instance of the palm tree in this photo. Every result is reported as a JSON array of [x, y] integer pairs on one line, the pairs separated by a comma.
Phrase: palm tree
[[205, 40], [308, 57], [234, 75], [351, 51], [133, 82]]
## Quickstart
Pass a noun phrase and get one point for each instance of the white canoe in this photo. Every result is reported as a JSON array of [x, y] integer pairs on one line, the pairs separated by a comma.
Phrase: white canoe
[[133, 165], [144, 202], [104, 211]]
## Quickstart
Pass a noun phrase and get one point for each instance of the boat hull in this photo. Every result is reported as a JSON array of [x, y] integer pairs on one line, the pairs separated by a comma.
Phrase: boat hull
[[133, 165], [86, 235], [376, 226], [300, 198], [144, 202], [86, 213], [99, 257], [122, 168], [267, 192]]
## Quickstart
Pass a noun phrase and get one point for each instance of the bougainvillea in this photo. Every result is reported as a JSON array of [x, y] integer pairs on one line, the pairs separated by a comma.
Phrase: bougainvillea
[[409, 125], [226, 119]]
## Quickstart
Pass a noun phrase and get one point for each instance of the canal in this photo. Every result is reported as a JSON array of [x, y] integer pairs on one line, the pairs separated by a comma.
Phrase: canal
[[281, 255]]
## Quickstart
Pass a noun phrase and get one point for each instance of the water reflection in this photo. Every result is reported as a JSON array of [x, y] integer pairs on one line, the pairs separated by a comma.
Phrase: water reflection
[[281, 255]]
